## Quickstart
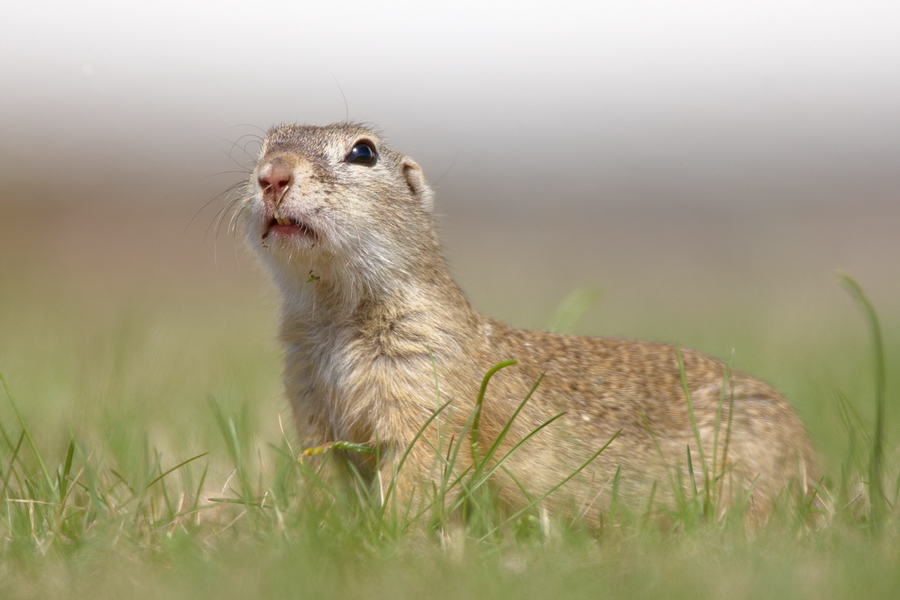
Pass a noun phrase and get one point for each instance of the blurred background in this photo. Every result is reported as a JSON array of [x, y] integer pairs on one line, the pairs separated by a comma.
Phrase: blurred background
[[707, 166]]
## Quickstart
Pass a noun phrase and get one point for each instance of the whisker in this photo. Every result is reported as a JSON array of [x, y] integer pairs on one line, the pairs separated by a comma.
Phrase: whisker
[[228, 192]]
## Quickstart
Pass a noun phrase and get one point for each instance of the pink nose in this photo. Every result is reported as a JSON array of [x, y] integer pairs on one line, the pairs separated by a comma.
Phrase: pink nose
[[275, 177]]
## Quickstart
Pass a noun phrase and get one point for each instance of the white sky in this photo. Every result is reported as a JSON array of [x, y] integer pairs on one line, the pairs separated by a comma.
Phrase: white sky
[[641, 99]]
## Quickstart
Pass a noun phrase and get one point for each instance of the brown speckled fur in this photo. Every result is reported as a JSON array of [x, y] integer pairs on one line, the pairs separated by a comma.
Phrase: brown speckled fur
[[377, 335]]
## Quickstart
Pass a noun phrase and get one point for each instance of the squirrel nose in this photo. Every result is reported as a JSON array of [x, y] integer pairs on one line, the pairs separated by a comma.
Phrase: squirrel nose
[[275, 177]]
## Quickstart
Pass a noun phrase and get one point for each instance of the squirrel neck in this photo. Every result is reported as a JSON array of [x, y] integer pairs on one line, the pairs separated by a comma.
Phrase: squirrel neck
[[391, 305]]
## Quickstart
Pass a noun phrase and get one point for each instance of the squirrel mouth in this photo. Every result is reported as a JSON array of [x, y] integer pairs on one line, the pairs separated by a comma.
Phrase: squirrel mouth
[[281, 225]]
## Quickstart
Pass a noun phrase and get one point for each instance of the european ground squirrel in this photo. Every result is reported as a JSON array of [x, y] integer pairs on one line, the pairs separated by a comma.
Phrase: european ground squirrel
[[377, 335]]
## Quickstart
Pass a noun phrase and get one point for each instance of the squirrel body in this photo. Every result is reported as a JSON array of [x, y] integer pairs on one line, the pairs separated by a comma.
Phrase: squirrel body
[[378, 336]]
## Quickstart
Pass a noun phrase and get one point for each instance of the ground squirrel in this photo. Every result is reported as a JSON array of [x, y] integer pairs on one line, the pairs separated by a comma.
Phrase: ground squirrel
[[377, 335]]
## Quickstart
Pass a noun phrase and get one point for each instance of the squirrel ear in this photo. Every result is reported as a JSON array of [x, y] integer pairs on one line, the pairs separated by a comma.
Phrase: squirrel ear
[[415, 179]]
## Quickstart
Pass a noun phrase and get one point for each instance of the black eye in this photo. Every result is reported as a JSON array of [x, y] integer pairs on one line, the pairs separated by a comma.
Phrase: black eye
[[362, 153]]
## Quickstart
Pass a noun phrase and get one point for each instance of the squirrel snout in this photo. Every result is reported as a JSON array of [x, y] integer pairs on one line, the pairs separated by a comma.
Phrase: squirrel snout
[[275, 177]]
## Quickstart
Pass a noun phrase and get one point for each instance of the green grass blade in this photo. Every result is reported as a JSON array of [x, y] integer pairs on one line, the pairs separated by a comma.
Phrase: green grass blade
[[409, 447], [37, 454], [876, 487], [508, 425], [693, 419], [480, 401], [175, 468]]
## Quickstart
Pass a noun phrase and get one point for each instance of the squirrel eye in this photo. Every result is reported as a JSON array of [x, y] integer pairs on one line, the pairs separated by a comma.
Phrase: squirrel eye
[[362, 153]]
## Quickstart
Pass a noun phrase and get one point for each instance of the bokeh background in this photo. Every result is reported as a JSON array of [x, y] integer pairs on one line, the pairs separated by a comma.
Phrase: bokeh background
[[707, 166]]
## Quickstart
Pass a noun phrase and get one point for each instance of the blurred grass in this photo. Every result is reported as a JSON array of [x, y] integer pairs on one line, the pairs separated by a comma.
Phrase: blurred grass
[[119, 330]]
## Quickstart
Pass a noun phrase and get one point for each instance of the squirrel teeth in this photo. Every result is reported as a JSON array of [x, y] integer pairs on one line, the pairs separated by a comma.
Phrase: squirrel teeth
[[280, 219]]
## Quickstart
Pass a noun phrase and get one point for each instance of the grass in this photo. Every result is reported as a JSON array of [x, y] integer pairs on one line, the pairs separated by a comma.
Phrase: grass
[[145, 451]]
